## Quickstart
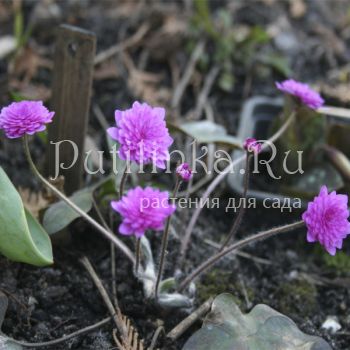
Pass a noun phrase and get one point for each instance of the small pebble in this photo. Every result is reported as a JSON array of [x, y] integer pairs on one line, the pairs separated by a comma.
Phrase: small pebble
[[331, 324]]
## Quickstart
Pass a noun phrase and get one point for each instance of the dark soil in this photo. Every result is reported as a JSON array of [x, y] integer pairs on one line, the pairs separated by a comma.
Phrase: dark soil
[[46, 303], [298, 280]]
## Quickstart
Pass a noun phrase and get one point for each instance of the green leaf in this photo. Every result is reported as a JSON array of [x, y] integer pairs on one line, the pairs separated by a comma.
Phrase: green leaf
[[18, 26], [167, 284], [209, 132], [226, 328], [17, 97], [22, 238], [226, 81], [59, 215], [279, 63], [203, 19], [42, 136]]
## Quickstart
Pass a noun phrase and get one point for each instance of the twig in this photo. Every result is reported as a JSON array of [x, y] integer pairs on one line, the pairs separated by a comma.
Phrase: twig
[[216, 182], [132, 341], [203, 96], [64, 338], [155, 337], [138, 255], [180, 88], [113, 267], [103, 122], [113, 273], [176, 332], [115, 312], [104, 223], [245, 293], [100, 116], [131, 41], [9, 294]]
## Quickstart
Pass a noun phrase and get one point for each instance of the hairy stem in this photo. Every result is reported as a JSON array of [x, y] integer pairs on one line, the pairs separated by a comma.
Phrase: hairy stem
[[119, 244], [238, 245], [114, 311], [122, 182], [138, 255], [165, 239], [238, 220], [189, 229], [104, 223], [64, 338]]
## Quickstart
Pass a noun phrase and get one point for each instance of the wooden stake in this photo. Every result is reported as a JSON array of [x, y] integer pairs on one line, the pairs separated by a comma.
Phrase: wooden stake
[[72, 81]]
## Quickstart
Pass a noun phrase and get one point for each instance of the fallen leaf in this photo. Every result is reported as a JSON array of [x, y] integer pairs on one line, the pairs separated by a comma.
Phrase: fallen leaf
[[340, 91], [106, 70], [30, 91], [33, 201], [297, 8], [263, 328]]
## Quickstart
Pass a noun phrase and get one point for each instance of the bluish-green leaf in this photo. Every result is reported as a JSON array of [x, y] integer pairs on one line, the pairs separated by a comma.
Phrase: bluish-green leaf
[[208, 132], [227, 328], [59, 215], [22, 238]]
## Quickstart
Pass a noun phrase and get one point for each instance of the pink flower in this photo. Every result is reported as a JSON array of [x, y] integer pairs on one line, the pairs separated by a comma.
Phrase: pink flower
[[303, 92], [142, 134], [326, 219], [143, 209], [252, 145], [184, 171], [25, 117]]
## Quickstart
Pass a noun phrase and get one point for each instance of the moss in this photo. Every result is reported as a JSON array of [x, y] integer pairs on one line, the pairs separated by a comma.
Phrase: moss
[[340, 262], [297, 297], [217, 282]]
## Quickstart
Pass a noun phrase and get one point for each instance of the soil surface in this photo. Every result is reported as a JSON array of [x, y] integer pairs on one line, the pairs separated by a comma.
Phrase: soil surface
[[295, 278]]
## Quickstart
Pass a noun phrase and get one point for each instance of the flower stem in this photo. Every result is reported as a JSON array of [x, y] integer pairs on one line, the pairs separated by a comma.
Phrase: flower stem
[[138, 255], [238, 245], [119, 244], [164, 246], [188, 232], [241, 212], [122, 182]]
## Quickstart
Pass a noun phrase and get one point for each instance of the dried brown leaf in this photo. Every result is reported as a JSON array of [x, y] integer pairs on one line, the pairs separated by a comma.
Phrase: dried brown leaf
[[133, 341], [30, 91], [297, 8], [341, 91], [33, 201], [106, 70], [168, 38]]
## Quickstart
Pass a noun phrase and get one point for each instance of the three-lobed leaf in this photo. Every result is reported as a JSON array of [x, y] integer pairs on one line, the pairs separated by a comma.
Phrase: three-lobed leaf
[[227, 328]]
